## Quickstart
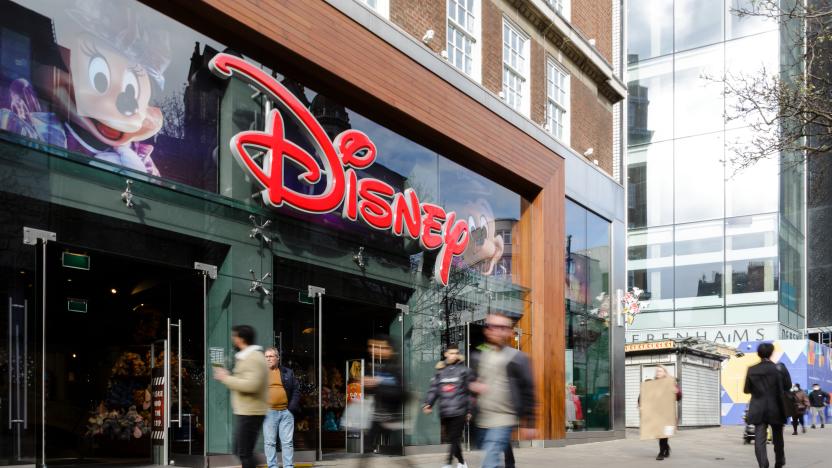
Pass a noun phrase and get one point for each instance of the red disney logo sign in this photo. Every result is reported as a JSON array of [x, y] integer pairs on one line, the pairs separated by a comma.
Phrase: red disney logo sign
[[372, 200]]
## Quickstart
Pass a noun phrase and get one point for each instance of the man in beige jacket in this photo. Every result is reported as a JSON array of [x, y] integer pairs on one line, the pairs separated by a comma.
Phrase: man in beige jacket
[[249, 392]]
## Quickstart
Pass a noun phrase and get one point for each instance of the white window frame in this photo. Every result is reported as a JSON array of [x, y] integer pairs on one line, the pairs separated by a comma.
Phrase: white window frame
[[474, 35], [553, 67], [523, 74], [561, 7], [382, 7]]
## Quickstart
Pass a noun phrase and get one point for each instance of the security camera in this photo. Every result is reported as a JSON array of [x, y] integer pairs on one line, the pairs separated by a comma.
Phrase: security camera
[[589, 152], [428, 36], [444, 54]]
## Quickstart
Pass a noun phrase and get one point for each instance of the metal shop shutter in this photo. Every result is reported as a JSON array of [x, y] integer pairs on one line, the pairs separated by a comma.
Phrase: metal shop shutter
[[632, 386], [700, 396]]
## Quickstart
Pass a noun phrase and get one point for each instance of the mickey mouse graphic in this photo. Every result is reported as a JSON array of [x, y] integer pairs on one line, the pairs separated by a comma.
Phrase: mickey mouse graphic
[[100, 89]]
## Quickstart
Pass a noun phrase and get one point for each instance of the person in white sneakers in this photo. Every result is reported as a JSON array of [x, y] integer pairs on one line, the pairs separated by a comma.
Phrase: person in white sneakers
[[450, 386]]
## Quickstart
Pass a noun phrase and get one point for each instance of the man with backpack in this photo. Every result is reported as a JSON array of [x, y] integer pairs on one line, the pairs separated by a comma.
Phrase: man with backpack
[[450, 387], [801, 404]]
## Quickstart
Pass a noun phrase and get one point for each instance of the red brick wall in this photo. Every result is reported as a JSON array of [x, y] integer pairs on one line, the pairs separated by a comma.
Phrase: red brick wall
[[538, 84], [591, 124], [492, 47], [416, 17], [594, 19]]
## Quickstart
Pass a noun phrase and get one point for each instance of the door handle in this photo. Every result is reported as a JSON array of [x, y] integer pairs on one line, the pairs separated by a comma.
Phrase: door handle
[[178, 326], [179, 376], [11, 418]]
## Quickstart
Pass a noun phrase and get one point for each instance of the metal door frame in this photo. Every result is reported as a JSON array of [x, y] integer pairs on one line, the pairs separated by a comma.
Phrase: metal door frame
[[317, 294], [40, 239]]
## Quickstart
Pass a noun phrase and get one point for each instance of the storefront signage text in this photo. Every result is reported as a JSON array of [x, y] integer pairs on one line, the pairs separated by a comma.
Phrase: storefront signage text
[[375, 202], [629, 347]]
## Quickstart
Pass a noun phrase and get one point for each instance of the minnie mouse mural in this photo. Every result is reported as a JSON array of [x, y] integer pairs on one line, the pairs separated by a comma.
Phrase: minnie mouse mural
[[91, 94]]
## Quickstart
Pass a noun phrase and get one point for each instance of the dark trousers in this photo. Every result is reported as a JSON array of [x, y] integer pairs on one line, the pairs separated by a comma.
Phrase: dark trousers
[[509, 454], [246, 432], [664, 446], [798, 420], [453, 431], [760, 437]]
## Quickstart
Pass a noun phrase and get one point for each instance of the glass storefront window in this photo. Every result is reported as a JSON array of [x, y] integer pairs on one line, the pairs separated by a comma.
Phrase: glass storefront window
[[650, 101], [650, 31], [698, 178], [699, 317], [650, 185], [738, 25], [588, 304], [751, 189], [93, 92], [749, 58], [698, 100], [697, 23], [648, 320], [699, 264], [751, 268], [650, 266], [115, 82]]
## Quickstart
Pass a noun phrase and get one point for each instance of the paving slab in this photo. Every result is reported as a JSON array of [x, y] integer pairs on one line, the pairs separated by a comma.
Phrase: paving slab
[[711, 447]]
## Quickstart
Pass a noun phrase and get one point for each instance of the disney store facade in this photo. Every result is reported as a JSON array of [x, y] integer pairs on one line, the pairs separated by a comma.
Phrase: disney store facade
[[161, 184]]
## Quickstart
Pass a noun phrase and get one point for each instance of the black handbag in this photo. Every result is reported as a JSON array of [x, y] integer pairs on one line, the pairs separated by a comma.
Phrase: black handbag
[[789, 398]]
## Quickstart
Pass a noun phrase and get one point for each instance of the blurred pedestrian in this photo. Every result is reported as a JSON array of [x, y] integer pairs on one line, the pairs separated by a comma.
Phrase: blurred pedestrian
[[284, 398], [819, 401], [386, 388], [249, 392], [504, 388], [664, 444], [767, 382], [801, 405], [450, 386]]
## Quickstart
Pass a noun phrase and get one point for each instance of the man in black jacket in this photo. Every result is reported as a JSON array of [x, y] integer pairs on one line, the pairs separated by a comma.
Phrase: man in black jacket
[[284, 399], [767, 382], [818, 399], [505, 390], [450, 385]]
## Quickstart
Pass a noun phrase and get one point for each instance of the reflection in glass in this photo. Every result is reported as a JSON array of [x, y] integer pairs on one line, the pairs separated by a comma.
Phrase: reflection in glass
[[749, 58], [697, 23], [650, 101], [739, 25], [699, 264], [699, 317], [71, 78], [587, 320], [699, 179], [650, 267], [650, 185], [752, 189], [650, 29], [751, 259], [699, 101]]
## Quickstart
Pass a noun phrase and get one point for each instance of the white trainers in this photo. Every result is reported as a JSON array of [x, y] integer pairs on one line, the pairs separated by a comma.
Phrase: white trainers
[[461, 465]]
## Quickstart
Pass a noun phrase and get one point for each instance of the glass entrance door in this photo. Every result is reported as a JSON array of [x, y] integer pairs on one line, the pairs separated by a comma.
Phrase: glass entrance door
[[123, 367]]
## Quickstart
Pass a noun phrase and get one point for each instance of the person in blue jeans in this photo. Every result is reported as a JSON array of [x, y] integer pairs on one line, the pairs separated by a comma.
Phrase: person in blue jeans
[[505, 391], [283, 405]]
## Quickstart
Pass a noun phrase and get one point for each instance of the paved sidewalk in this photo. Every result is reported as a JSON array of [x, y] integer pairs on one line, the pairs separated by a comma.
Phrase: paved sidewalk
[[716, 447]]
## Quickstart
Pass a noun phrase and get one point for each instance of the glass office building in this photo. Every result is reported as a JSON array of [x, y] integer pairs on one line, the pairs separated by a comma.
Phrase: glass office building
[[717, 249]]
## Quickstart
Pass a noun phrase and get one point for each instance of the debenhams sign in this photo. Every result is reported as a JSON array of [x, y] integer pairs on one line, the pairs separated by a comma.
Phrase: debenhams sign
[[719, 334]]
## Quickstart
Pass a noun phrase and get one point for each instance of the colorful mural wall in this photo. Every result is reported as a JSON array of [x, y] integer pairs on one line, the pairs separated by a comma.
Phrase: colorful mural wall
[[808, 363]]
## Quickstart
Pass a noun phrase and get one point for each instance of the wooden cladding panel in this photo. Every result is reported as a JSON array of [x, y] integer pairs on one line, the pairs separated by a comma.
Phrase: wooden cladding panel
[[315, 43]]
